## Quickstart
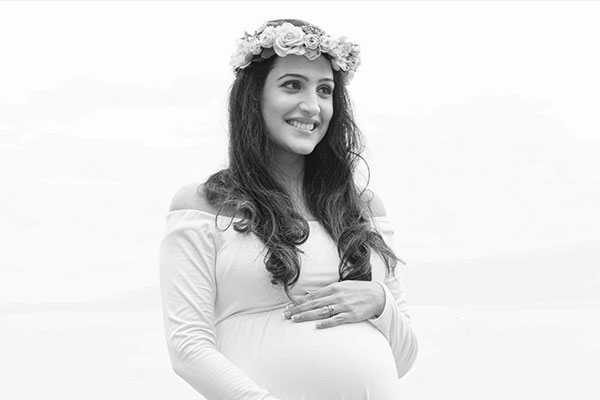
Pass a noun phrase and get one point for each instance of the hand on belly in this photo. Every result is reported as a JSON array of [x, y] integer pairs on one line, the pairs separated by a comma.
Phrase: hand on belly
[[339, 303]]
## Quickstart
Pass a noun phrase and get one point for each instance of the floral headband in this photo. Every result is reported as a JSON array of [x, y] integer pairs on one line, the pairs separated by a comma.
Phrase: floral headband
[[306, 40]]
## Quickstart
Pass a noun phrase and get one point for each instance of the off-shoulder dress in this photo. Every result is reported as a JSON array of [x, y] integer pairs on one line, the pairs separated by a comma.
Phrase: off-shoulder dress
[[225, 329]]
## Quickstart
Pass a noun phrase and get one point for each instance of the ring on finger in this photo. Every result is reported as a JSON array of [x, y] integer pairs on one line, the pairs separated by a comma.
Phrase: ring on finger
[[331, 311]]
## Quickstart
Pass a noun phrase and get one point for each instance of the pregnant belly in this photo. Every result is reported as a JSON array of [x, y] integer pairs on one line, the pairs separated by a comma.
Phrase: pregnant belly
[[296, 361]]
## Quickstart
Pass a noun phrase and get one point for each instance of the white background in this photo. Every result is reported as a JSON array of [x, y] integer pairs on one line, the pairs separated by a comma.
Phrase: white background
[[481, 121]]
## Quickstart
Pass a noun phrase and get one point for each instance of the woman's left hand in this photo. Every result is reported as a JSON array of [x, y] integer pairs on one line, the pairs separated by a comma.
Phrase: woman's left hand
[[339, 303]]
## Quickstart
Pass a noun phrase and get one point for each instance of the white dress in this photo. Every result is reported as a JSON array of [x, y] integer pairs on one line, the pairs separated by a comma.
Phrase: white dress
[[227, 336]]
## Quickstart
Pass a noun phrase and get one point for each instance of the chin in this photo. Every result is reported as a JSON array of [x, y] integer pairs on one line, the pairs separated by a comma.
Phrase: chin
[[304, 147], [304, 151]]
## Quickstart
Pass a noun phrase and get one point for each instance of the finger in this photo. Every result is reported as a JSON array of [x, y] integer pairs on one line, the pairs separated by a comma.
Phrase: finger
[[319, 293], [309, 306], [312, 315], [336, 320]]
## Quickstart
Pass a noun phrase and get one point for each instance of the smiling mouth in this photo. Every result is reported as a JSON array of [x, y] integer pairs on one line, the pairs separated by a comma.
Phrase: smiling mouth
[[309, 127]]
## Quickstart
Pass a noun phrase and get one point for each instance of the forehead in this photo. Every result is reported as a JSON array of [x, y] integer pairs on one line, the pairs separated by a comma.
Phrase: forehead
[[315, 69]]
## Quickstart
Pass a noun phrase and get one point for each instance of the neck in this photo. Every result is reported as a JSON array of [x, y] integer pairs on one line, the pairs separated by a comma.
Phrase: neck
[[289, 169], [289, 172]]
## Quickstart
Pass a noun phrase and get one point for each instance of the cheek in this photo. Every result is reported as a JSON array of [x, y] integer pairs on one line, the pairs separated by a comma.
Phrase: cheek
[[274, 106], [327, 112], [270, 111]]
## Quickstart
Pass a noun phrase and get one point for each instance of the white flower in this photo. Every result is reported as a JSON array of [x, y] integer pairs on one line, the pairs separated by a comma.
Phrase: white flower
[[353, 62], [327, 44], [343, 48], [311, 41], [289, 40], [242, 56], [267, 37], [253, 45]]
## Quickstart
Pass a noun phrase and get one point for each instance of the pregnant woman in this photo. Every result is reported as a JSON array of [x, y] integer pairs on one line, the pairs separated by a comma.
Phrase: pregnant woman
[[278, 278]]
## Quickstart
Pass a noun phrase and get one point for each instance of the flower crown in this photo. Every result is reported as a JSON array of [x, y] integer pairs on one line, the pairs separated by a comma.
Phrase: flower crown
[[306, 40]]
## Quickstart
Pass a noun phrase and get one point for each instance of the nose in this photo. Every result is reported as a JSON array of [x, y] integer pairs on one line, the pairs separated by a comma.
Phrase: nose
[[310, 105]]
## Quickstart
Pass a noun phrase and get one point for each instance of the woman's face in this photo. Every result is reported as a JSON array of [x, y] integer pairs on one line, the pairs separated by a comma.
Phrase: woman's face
[[297, 104]]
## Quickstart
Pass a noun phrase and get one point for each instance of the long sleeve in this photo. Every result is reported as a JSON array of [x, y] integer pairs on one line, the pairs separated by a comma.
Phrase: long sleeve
[[188, 289], [394, 321]]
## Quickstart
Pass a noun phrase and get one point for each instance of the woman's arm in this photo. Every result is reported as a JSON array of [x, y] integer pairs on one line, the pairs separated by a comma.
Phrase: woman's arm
[[188, 289], [394, 321]]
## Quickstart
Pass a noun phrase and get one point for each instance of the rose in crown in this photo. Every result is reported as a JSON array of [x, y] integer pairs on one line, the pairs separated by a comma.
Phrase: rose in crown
[[305, 40]]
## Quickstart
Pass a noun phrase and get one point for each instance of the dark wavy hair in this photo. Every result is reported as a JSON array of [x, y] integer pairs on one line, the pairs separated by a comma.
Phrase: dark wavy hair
[[248, 189]]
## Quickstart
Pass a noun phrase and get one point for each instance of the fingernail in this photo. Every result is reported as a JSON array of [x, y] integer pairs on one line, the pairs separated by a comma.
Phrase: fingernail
[[295, 318], [318, 325]]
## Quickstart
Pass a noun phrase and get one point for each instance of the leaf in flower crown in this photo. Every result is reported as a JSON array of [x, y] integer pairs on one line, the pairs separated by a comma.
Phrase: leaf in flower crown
[[334, 64], [312, 54], [297, 50], [267, 53], [348, 77]]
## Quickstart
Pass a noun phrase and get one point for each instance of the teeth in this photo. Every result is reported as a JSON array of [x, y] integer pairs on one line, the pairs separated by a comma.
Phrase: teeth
[[300, 125]]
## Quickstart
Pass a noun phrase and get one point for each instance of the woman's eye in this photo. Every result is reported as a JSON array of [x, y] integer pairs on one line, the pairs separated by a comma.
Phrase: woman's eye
[[292, 85], [326, 90]]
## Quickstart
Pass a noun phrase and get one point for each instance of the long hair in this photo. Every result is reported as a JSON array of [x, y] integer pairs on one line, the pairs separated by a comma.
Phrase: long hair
[[248, 189]]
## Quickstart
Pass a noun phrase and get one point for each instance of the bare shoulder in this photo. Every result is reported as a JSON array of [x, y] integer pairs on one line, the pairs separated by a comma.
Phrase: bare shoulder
[[191, 197], [374, 203]]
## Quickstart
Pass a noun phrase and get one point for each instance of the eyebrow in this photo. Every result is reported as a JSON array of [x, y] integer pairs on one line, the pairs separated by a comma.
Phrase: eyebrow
[[303, 77]]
